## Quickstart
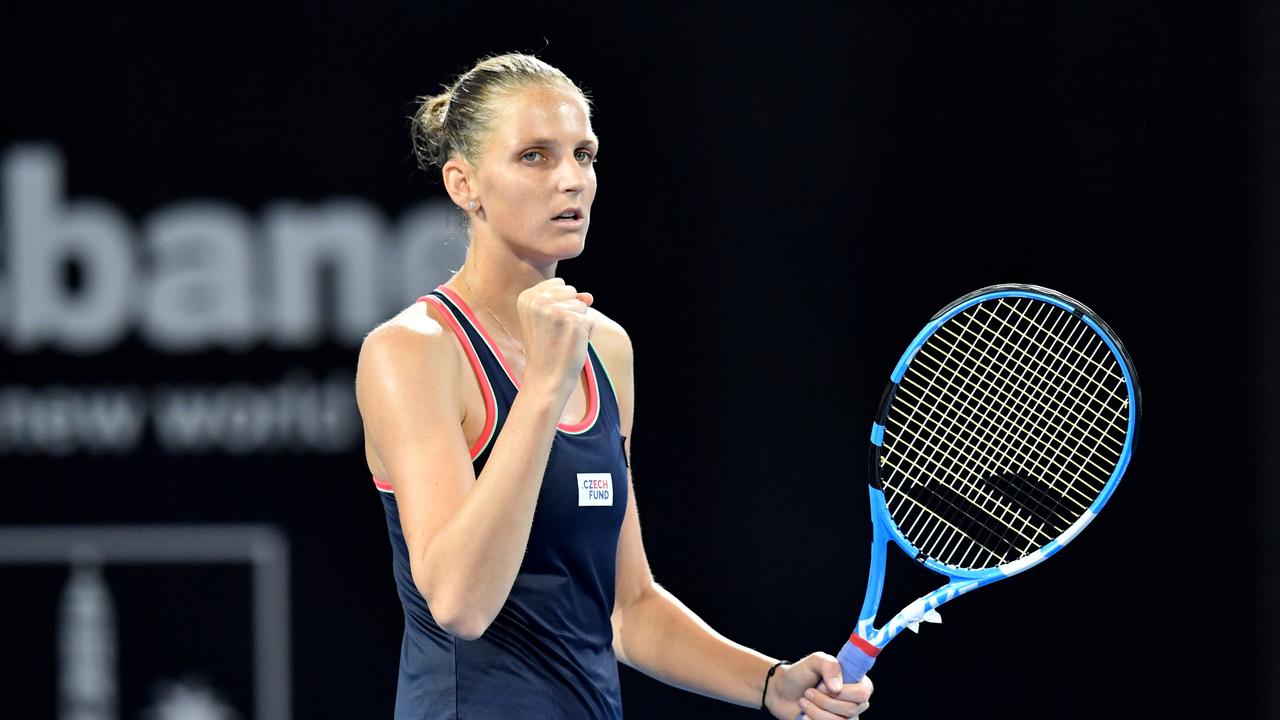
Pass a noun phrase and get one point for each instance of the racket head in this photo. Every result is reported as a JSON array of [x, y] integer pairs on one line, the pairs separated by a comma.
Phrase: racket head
[[1040, 369]]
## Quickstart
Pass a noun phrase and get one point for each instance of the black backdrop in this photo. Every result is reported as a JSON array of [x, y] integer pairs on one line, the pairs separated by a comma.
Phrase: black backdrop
[[785, 196]]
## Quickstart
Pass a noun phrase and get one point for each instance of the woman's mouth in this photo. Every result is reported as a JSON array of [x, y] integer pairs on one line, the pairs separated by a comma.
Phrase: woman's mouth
[[569, 218]]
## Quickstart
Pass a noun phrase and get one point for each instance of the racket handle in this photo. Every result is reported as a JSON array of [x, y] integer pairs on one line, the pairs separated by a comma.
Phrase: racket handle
[[854, 662]]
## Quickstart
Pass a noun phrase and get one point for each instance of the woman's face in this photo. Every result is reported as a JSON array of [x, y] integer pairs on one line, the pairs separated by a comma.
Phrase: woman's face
[[537, 163]]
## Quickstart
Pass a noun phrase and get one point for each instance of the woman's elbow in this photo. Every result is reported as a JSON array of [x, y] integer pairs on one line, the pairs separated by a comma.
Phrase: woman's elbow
[[463, 624], [455, 613]]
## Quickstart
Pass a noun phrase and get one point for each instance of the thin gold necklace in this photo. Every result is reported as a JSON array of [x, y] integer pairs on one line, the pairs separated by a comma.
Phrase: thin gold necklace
[[474, 294]]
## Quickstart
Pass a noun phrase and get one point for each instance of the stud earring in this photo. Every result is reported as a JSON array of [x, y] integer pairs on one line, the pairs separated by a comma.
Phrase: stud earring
[[472, 204]]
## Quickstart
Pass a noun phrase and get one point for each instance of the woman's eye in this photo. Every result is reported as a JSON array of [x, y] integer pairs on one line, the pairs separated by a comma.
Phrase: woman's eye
[[531, 156], [585, 156]]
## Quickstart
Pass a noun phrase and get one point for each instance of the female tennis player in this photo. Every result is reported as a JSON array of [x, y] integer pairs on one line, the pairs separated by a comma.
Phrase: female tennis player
[[496, 414]]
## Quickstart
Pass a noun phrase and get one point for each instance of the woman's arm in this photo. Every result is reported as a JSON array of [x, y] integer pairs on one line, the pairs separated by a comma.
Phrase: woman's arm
[[466, 536], [656, 634]]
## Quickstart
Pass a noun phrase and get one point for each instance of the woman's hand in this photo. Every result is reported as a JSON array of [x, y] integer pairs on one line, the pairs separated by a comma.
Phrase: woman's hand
[[555, 325], [814, 687]]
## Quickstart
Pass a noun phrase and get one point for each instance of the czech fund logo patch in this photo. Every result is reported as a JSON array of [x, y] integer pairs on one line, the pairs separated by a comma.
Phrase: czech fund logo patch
[[595, 489]]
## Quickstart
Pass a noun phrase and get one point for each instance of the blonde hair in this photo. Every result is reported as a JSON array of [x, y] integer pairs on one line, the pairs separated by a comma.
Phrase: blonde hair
[[458, 120]]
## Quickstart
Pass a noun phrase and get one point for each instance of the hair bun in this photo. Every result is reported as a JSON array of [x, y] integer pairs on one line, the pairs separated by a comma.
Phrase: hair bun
[[429, 135]]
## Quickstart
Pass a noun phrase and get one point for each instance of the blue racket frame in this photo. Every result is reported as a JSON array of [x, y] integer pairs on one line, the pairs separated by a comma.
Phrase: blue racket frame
[[859, 653]]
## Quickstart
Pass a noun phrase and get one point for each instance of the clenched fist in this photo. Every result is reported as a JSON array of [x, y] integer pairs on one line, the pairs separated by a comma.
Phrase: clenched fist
[[555, 325]]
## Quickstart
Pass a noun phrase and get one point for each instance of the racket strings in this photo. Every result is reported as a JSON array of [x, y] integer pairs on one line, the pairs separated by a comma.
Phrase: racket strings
[[984, 536], [1026, 412], [1000, 509], [1057, 411], [994, 442], [1071, 385], [1093, 409], [981, 532], [969, 324], [997, 475], [1004, 428]]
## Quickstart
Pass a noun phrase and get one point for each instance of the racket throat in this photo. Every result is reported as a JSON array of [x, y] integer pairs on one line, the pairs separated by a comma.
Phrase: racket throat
[[864, 645]]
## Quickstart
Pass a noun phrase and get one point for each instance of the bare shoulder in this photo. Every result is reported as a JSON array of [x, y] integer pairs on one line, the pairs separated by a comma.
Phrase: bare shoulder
[[611, 342], [613, 345], [411, 347]]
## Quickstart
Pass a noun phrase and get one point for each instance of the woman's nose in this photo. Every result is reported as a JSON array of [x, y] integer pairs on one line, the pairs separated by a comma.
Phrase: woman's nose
[[573, 177]]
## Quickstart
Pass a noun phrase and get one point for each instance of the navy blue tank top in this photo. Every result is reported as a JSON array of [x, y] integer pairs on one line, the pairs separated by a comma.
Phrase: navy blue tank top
[[549, 652]]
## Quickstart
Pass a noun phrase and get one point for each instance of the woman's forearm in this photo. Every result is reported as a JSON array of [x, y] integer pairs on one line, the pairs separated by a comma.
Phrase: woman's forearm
[[657, 635], [468, 568]]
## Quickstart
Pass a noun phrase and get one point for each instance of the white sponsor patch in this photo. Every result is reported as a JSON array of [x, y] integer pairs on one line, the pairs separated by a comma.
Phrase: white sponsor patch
[[595, 489]]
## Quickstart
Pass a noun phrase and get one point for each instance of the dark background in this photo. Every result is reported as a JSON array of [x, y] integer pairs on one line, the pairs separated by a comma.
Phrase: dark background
[[785, 196]]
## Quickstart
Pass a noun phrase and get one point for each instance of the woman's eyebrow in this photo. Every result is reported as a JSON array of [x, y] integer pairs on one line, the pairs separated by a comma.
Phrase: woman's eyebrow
[[548, 141]]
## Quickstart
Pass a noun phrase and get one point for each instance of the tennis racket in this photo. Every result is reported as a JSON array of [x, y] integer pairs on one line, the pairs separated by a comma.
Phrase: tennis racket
[[1005, 427]]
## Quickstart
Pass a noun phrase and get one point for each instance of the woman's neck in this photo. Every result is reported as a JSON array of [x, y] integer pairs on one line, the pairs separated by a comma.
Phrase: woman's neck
[[495, 281]]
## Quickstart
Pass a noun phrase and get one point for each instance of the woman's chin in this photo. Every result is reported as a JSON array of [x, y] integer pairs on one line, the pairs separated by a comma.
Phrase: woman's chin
[[549, 248], [565, 247]]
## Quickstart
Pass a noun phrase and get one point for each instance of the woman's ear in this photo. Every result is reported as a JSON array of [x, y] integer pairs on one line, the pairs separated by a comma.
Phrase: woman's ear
[[457, 182]]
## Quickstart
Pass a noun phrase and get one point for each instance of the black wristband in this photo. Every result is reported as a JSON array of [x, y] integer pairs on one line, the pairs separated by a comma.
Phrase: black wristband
[[765, 692]]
